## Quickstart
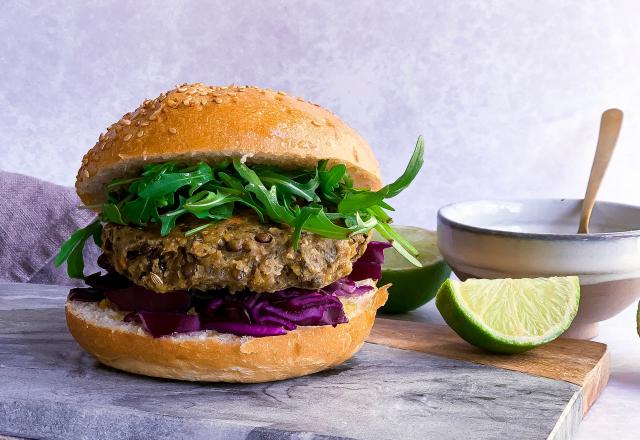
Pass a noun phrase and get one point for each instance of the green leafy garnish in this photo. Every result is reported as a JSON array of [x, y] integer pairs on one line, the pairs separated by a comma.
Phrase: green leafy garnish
[[321, 200], [71, 250]]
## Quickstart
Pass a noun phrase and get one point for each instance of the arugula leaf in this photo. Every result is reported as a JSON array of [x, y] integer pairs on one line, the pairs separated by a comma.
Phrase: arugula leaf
[[111, 213], [321, 224], [168, 220], [195, 230], [410, 173], [205, 200], [165, 183], [360, 225], [356, 201], [329, 179], [140, 211], [269, 199], [380, 227], [286, 185], [71, 250], [300, 220]]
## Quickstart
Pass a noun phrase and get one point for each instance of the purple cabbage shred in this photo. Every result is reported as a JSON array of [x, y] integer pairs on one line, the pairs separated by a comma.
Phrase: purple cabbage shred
[[165, 323], [370, 264]]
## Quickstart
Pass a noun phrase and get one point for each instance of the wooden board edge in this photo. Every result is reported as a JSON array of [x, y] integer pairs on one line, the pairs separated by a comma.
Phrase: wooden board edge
[[596, 381]]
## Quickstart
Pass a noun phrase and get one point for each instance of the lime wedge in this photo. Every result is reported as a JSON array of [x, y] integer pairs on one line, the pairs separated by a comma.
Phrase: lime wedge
[[638, 319], [413, 286], [509, 316]]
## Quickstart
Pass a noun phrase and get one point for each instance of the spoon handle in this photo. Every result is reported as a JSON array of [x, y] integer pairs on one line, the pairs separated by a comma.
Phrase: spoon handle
[[609, 130]]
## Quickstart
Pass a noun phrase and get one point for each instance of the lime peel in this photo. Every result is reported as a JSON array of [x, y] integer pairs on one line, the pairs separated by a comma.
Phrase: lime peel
[[509, 315]]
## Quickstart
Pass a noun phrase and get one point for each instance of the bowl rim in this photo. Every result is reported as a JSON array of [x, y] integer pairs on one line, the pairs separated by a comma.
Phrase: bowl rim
[[598, 236]]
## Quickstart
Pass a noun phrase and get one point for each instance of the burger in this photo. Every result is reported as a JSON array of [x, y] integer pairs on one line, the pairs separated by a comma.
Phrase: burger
[[236, 226]]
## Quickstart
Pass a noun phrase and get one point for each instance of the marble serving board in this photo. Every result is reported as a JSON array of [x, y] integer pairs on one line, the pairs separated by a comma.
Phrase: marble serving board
[[49, 388]]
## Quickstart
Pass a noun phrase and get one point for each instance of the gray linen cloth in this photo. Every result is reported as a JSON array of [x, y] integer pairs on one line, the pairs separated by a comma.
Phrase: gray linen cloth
[[36, 217]]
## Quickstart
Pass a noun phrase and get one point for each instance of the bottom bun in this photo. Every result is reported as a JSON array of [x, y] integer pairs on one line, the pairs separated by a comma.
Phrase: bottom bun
[[215, 357]]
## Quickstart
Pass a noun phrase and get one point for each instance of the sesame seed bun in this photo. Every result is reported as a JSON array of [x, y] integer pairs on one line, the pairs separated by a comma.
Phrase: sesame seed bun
[[196, 122], [214, 357]]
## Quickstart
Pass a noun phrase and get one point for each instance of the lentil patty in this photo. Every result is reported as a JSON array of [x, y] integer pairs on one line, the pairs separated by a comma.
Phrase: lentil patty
[[237, 253]]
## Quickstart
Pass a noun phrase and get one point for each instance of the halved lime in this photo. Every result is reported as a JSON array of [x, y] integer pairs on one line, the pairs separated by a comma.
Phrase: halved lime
[[413, 286], [509, 315]]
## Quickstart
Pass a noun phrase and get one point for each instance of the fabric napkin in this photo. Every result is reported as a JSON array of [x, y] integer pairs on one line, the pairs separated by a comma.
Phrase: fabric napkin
[[36, 217]]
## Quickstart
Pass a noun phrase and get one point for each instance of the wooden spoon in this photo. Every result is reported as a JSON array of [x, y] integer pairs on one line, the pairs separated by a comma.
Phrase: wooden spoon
[[609, 130]]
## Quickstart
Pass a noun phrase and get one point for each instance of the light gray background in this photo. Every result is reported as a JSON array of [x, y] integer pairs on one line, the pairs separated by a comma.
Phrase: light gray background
[[507, 93]]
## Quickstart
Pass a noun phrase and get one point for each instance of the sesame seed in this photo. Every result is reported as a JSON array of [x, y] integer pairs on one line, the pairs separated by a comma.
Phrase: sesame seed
[[127, 137], [182, 89], [101, 137], [232, 94], [140, 133], [86, 174], [126, 122], [187, 101], [145, 123], [281, 92], [153, 117], [172, 130], [143, 111], [172, 103], [218, 100], [241, 90], [299, 98], [316, 123]]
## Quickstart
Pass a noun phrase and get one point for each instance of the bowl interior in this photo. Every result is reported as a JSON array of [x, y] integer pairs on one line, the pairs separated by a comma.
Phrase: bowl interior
[[543, 216]]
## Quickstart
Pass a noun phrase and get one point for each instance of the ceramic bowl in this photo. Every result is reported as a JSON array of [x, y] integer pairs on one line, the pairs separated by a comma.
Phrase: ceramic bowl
[[537, 238]]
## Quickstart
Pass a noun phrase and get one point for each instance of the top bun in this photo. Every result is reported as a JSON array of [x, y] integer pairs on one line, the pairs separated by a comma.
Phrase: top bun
[[196, 122]]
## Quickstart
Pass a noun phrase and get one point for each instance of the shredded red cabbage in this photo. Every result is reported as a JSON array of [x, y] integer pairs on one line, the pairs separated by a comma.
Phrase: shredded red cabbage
[[109, 281], [370, 264], [165, 323], [346, 287], [242, 314], [85, 294], [270, 314], [375, 252]]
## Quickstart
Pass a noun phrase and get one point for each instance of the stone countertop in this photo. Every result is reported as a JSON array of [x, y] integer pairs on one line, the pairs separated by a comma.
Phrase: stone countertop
[[615, 413], [50, 388]]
